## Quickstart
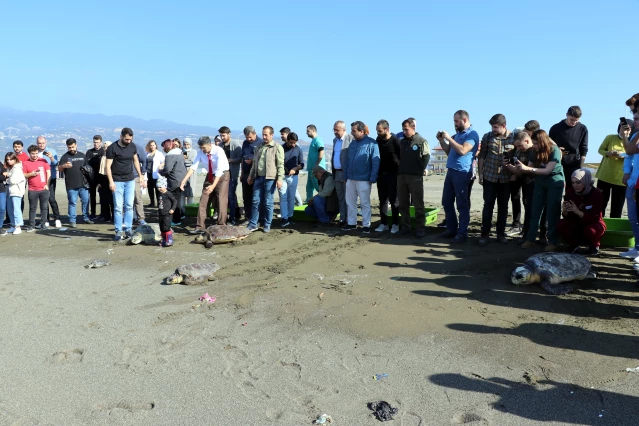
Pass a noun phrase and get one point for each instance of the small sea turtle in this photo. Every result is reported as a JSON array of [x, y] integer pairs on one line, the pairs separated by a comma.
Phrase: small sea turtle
[[147, 234], [98, 263], [552, 269], [219, 234], [193, 273]]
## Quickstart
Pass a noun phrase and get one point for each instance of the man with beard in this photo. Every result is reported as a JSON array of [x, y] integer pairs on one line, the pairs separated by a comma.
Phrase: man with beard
[[389, 153], [122, 159], [233, 151], [50, 156], [494, 177], [315, 158], [248, 146], [571, 136], [93, 157], [71, 164], [461, 150]]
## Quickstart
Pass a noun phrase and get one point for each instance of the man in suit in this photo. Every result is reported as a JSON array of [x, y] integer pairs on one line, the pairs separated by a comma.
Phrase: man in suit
[[341, 141]]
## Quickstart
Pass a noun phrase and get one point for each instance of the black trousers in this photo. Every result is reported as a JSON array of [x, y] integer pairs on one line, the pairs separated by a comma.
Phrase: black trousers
[[151, 189], [387, 192], [515, 200], [93, 192], [177, 214], [52, 202], [43, 198], [106, 198], [247, 196], [616, 194], [165, 221], [500, 192]]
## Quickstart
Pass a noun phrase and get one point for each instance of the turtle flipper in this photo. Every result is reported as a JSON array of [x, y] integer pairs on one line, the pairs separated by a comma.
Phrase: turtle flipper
[[556, 289]]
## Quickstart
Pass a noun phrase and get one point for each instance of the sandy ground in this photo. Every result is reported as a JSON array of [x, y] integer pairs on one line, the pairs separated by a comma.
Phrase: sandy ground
[[304, 318]]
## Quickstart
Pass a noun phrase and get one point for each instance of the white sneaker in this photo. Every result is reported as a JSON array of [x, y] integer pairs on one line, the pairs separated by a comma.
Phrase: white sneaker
[[394, 229], [46, 225], [17, 231], [11, 230], [381, 228], [630, 254], [58, 224], [636, 259]]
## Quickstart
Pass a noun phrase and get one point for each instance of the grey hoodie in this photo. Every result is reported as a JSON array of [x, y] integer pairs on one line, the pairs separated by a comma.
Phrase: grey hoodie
[[174, 168]]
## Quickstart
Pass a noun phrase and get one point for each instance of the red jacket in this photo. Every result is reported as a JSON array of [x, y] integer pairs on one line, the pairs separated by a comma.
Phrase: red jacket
[[591, 205]]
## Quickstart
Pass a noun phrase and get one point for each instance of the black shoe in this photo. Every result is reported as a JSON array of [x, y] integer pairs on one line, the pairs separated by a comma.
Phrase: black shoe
[[502, 239], [593, 251], [284, 223], [420, 234], [30, 229], [459, 239], [443, 224], [349, 227], [447, 234], [366, 230], [484, 240]]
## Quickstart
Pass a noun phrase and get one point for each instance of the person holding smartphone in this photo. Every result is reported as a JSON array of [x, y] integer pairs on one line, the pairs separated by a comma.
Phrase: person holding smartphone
[[610, 172]]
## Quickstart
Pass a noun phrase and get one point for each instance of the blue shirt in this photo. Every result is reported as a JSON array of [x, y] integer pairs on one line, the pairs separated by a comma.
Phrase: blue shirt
[[337, 150], [52, 164], [463, 163]]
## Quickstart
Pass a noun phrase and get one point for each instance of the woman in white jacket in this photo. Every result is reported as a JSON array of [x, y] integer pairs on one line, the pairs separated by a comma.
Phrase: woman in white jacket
[[15, 183], [152, 170]]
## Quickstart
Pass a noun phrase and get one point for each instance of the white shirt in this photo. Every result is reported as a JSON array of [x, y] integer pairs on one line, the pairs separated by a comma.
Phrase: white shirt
[[218, 158]]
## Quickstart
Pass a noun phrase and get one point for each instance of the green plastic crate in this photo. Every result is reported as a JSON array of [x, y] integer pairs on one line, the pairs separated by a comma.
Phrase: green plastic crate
[[618, 233], [300, 216], [191, 210], [430, 212]]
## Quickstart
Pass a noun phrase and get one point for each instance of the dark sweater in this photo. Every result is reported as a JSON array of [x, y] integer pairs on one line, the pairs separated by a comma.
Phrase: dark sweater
[[574, 141], [389, 153], [166, 202], [2, 178], [591, 205], [414, 156]]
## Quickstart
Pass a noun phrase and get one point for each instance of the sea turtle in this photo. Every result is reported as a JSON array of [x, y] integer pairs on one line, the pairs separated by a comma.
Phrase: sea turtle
[[552, 269], [219, 234], [147, 234], [98, 263], [193, 273]]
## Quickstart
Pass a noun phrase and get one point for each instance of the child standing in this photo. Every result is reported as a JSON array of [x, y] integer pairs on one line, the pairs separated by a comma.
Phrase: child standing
[[166, 207], [16, 182]]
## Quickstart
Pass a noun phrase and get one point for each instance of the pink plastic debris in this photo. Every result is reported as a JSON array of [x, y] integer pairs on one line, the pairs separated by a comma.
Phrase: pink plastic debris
[[207, 298]]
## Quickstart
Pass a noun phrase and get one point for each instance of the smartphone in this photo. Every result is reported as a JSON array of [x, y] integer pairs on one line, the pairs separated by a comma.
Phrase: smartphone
[[565, 198], [623, 121]]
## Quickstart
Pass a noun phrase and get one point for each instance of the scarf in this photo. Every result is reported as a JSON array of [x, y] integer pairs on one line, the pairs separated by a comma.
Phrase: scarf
[[585, 177]]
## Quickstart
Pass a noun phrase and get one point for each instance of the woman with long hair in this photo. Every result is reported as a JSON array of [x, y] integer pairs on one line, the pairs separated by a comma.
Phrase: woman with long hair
[[16, 181], [544, 164], [152, 166]]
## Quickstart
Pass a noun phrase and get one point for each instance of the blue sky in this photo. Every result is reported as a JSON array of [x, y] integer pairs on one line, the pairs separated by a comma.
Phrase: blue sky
[[292, 63]]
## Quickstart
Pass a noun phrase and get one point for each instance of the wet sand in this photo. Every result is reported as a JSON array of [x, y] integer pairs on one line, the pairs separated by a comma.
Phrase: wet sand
[[304, 318]]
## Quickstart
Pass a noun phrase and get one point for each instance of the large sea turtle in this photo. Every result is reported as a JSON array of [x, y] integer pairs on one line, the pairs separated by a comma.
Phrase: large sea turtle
[[193, 273], [219, 234], [147, 234], [552, 269]]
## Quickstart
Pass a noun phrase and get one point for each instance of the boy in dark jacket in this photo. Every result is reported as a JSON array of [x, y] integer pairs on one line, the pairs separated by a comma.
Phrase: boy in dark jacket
[[166, 207]]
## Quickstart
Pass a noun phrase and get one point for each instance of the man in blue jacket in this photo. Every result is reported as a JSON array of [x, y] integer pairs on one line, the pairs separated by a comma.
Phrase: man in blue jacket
[[360, 172]]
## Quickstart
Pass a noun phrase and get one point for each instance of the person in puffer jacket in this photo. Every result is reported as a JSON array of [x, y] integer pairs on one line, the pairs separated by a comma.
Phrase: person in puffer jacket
[[174, 170], [16, 183], [360, 173]]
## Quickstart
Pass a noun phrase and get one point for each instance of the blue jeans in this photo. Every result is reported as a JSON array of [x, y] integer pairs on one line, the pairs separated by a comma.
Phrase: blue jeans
[[318, 209], [263, 192], [3, 204], [232, 198], [123, 205], [287, 196], [15, 211], [456, 192], [72, 197], [632, 214]]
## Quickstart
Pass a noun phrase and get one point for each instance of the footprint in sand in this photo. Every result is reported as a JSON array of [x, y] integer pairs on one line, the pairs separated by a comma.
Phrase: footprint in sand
[[467, 418], [70, 356], [128, 406]]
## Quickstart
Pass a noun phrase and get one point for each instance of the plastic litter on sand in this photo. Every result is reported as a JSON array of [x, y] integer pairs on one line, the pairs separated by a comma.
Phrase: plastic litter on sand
[[324, 419], [380, 376], [206, 298], [633, 370]]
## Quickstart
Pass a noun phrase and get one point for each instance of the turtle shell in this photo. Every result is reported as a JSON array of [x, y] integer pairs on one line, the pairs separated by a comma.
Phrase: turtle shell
[[559, 267], [219, 234], [147, 234], [196, 272]]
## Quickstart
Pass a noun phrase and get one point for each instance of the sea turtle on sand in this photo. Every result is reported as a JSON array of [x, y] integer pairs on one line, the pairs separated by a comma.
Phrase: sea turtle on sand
[[193, 273], [552, 269], [219, 234], [99, 263], [147, 234]]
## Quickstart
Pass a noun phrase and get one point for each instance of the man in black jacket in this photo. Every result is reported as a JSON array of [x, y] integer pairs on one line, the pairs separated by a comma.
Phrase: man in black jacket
[[571, 137], [389, 153], [93, 157], [414, 158]]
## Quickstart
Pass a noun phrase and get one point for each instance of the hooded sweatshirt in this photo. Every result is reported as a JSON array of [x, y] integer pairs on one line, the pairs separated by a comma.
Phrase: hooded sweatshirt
[[174, 168]]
